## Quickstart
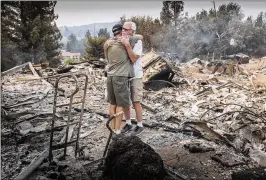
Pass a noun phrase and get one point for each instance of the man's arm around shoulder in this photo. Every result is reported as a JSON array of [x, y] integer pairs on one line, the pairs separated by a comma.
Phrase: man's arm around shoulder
[[133, 57]]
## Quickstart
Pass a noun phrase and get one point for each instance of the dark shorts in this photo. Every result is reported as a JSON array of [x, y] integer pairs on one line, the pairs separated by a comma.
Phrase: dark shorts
[[118, 92]]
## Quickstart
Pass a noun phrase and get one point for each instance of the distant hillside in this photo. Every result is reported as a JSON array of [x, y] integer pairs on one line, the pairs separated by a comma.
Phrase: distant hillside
[[80, 31]]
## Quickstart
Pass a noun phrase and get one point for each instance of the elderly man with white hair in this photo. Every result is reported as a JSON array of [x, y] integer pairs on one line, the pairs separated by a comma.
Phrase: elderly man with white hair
[[136, 85]]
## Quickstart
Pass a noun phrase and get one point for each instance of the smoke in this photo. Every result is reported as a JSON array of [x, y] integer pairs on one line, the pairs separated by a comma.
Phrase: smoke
[[12, 55], [192, 38], [187, 39]]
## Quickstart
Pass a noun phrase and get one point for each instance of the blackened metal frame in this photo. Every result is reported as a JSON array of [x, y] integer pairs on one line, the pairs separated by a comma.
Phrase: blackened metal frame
[[55, 106]]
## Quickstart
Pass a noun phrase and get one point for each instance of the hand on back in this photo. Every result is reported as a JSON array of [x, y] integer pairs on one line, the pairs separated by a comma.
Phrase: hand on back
[[125, 40], [110, 42]]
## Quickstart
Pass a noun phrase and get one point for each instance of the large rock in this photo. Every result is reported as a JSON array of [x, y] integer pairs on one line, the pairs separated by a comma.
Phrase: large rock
[[131, 159]]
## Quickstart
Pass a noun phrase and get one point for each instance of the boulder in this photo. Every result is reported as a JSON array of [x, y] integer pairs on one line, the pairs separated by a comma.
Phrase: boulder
[[130, 158]]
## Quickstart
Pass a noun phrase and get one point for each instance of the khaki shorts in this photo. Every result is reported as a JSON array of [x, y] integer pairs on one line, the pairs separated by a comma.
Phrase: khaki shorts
[[136, 88], [118, 92]]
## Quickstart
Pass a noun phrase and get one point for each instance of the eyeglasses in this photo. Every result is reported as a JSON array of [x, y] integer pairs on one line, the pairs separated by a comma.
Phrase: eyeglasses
[[127, 29]]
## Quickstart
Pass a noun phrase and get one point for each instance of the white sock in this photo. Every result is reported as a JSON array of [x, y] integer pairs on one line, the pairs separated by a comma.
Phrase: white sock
[[140, 124], [117, 131], [128, 122]]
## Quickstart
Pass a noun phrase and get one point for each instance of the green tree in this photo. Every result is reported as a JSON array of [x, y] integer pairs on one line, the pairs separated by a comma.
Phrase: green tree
[[146, 26], [9, 20], [171, 11], [27, 25], [94, 47], [9, 34], [37, 20], [249, 20], [258, 40], [81, 45], [103, 33], [210, 33], [52, 46], [177, 7], [202, 15], [259, 20], [88, 34], [72, 43], [166, 14]]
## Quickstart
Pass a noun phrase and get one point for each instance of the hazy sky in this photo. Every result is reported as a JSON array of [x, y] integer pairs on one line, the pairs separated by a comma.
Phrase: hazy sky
[[79, 12]]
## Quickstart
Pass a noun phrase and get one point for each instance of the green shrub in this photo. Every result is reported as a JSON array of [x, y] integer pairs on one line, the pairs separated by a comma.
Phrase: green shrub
[[83, 60], [94, 47], [69, 61]]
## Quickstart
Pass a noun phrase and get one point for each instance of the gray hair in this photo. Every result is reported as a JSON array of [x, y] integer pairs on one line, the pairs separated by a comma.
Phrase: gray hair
[[133, 25]]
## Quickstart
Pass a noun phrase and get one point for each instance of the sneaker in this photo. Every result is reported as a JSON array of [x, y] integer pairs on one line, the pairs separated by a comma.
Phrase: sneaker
[[137, 131], [126, 128]]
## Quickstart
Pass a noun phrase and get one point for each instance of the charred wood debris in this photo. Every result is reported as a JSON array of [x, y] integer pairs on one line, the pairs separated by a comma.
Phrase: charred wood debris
[[203, 120]]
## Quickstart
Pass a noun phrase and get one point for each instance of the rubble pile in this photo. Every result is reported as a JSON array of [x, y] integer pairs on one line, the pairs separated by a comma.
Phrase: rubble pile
[[204, 122], [27, 108]]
